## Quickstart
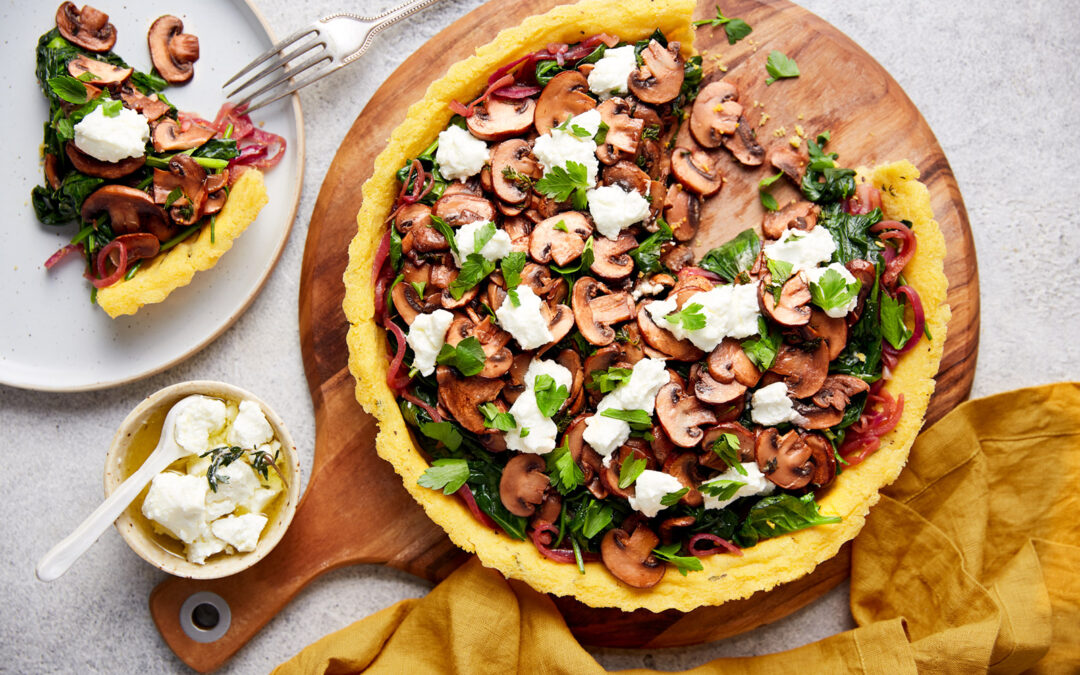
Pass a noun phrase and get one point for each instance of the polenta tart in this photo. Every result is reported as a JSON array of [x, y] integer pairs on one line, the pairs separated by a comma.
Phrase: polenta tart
[[159, 193], [572, 394]]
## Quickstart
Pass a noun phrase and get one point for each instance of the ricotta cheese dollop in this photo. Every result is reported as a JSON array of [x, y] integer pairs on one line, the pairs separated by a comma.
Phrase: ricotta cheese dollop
[[804, 250], [814, 275], [729, 311], [559, 147], [542, 431], [111, 139], [605, 434], [649, 488], [427, 335], [614, 209], [460, 154], [770, 406], [524, 322], [612, 72], [495, 249]]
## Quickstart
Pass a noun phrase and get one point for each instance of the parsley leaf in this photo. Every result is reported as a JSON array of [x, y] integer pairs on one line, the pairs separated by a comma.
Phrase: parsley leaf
[[549, 398], [111, 108], [635, 418], [468, 356], [601, 133], [893, 327], [475, 269], [419, 287], [561, 226], [447, 475], [736, 29], [482, 236], [596, 517], [721, 489], [762, 349], [647, 255], [564, 472], [780, 66], [832, 290], [607, 380], [690, 317], [683, 563], [672, 498], [444, 432], [727, 448], [496, 419], [630, 470], [584, 262], [767, 200], [560, 183], [68, 88], [446, 231], [511, 267]]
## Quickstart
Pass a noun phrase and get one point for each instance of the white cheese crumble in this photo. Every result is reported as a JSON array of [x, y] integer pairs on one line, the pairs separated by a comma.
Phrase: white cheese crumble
[[111, 139], [770, 406], [460, 154], [240, 532], [614, 209], [524, 322], [540, 438], [559, 147], [177, 502], [649, 488], [497, 248], [237, 488], [729, 311], [804, 250], [605, 434], [612, 72], [814, 276], [755, 483], [427, 335], [646, 287], [200, 419], [250, 427]]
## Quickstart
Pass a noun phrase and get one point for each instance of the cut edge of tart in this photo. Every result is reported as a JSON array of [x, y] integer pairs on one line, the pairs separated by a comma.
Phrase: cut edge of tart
[[762, 567]]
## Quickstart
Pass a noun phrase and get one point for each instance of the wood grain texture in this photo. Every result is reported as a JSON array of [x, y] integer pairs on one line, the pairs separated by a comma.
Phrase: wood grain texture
[[355, 509]]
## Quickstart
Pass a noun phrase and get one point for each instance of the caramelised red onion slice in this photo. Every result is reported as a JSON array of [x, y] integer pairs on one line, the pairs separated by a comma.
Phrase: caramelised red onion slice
[[718, 543]]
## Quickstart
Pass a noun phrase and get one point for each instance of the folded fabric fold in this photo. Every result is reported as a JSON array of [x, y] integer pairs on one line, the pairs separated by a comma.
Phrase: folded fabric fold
[[967, 564]]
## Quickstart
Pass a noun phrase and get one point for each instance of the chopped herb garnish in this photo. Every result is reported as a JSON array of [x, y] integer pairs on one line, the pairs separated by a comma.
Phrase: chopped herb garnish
[[475, 269], [606, 380], [630, 470], [560, 183], [565, 474], [721, 489], [780, 66], [672, 498], [736, 29], [762, 349], [767, 200], [833, 291], [219, 459], [635, 418], [68, 88], [468, 356], [683, 563], [690, 317], [496, 419], [447, 475], [549, 398], [727, 448]]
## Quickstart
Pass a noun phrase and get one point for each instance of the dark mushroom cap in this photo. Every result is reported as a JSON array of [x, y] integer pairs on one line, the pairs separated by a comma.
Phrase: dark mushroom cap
[[676, 257], [596, 308], [743, 144], [585, 457], [669, 527], [865, 272], [462, 208], [498, 118], [627, 176], [515, 377], [662, 341], [129, 210], [523, 484], [512, 169], [629, 557], [549, 243], [565, 96], [52, 170], [823, 459], [837, 390], [610, 259], [745, 437], [684, 466], [729, 362], [832, 330], [711, 391], [150, 107], [715, 113], [623, 134], [797, 216], [803, 366], [789, 160], [462, 396], [571, 360], [660, 77], [103, 73], [88, 28], [409, 304], [697, 170], [412, 216], [184, 173], [92, 166], [815, 417], [549, 509], [794, 306], [785, 460], [682, 415], [560, 320], [139, 245], [682, 211], [167, 136], [172, 51]]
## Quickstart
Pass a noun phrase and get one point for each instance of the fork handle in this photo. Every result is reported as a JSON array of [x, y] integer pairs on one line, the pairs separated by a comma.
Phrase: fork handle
[[402, 11]]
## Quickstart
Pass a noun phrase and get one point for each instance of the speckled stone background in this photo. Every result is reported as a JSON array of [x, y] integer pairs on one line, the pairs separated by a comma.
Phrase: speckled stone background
[[997, 82]]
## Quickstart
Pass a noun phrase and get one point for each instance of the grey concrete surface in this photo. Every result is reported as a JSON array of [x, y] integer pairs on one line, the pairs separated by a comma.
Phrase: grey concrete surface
[[996, 81]]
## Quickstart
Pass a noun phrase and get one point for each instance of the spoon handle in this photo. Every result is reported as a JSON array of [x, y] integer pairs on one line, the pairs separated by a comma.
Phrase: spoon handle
[[60, 557]]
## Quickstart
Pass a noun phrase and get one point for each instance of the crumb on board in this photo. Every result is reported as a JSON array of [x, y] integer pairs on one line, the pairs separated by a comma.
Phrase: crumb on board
[[795, 142], [763, 120], [780, 133], [799, 130]]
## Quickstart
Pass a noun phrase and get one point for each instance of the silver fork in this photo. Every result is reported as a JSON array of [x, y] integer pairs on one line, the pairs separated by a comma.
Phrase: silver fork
[[326, 45]]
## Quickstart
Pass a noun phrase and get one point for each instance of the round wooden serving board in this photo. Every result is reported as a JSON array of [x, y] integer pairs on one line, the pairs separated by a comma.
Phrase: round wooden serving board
[[355, 509]]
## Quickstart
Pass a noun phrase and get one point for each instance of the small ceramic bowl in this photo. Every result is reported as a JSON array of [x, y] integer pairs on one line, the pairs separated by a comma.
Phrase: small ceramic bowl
[[138, 436]]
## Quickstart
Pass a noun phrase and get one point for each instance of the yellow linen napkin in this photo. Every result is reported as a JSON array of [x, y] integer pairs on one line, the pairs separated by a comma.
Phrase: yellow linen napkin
[[970, 562]]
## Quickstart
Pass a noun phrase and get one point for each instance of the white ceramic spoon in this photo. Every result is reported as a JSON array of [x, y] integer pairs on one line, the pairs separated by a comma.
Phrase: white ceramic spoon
[[60, 557]]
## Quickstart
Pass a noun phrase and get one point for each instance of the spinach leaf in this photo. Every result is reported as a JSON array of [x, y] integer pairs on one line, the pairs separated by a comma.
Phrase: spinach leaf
[[647, 255], [484, 483], [851, 232], [58, 207], [862, 355], [892, 321], [730, 260], [780, 514], [823, 181], [762, 349], [217, 148]]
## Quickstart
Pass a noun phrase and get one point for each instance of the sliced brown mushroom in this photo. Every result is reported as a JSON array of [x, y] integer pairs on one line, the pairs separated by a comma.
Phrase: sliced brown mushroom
[[865, 272], [427, 239], [167, 136], [794, 306], [660, 77], [652, 158], [627, 176], [610, 259], [729, 362], [676, 257], [682, 211], [571, 360], [682, 415], [743, 144], [709, 390], [411, 217], [823, 458], [88, 28], [697, 170], [585, 457], [52, 170], [103, 74], [623, 133], [663, 341], [566, 95], [462, 396], [744, 442], [549, 509], [797, 216], [715, 113], [560, 321], [513, 168], [470, 186], [629, 557], [409, 304], [92, 166], [687, 286], [150, 107], [803, 367], [789, 160], [186, 174], [498, 118], [139, 245], [172, 51], [493, 339], [832, 330], [785, 460], [462, 208], [669, 527], [838, 390], [814, 417], [129, 210], [523, 484], [684, 466], [596, 308], [610, 475], [560, 238]]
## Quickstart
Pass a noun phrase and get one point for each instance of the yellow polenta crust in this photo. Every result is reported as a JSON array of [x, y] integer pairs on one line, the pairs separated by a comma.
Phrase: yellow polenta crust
[[773, 561], [178, 266]]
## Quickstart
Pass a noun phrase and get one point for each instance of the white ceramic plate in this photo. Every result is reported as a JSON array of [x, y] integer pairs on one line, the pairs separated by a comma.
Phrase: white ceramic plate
[[51, 337]]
